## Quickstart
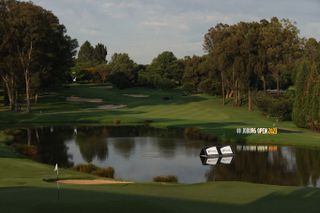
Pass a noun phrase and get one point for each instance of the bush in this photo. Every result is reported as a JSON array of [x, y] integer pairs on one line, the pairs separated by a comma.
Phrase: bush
[[156, 81], [104, 172], [92, 169], [189, 87], [86, 168], [279, 107], [166, 179], [27, 150], [116, 122], [209, 86], [120, 80]]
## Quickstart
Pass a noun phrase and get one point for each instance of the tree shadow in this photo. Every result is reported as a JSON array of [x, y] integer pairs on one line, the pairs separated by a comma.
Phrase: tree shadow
[[128, 198]]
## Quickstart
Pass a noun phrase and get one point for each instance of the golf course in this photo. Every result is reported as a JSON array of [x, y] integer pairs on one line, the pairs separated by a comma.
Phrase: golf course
[[21, 179], [159, 106]]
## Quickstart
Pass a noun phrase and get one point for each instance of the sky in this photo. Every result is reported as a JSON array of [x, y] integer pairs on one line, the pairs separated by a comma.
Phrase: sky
[[145, 28]]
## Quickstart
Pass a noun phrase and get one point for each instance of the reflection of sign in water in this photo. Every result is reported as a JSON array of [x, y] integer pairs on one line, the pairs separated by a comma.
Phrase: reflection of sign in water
[[216, 160], [249, 148]]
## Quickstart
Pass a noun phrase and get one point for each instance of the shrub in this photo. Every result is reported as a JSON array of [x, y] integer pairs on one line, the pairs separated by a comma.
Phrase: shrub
[[209, 86], [27, 150], [279, 107], [116, 121], [166, 179], [104, 172], [86, 168], [189, 87], [92, 169], [120, 80], [163, 83]]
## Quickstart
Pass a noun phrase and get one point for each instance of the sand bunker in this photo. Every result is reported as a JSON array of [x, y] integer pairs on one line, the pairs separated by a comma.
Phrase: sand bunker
[[92, 182], [88, 100], [137, 95], [111, 106]]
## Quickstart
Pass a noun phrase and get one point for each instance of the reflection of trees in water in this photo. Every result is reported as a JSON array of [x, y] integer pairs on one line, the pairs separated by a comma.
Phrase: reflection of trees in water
[[167, 148], [308, 166], [51, 146], [256, 167], [92, 143], [124, 147]]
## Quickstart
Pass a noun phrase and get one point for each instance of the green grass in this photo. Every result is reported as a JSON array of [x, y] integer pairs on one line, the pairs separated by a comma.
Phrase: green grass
[[202, 111], [22, 188]]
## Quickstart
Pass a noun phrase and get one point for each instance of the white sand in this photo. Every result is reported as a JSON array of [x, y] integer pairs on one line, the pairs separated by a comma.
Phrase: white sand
[[137, 95], [88, 100], [92, 182], [111, 106]]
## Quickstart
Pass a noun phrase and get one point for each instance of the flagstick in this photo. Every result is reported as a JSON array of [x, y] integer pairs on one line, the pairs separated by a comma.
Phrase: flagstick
[[57, 180]]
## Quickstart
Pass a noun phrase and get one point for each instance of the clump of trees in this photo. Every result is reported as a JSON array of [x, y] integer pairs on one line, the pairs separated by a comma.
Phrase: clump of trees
[[164, 72], [124, 72], [306, 110], [200, 75], [35, 52], [91, 63], [253, 56]]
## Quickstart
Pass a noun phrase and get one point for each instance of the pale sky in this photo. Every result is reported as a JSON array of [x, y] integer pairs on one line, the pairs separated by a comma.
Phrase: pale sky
[[145, 28]]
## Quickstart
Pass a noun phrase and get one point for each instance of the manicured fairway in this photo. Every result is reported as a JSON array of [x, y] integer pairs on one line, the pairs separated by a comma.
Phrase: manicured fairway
[[202, 111]]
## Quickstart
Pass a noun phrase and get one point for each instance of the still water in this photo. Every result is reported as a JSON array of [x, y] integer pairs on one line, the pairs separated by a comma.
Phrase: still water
[[141, 153]]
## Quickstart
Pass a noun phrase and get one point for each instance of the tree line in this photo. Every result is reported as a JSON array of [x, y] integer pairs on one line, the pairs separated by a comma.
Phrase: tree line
[[264, 64]]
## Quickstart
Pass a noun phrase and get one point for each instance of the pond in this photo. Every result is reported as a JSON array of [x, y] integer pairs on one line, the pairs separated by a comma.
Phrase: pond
[[141, 153]]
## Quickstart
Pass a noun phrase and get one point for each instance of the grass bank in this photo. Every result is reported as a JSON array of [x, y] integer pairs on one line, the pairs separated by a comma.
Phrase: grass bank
[[22, 189], [163, 108]]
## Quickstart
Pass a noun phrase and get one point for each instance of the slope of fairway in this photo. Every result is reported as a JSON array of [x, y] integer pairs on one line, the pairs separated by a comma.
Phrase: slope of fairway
[[164, 108]]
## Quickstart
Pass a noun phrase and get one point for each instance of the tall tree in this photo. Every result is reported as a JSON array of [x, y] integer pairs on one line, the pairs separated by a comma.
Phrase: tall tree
[[306, 110], [100, 53], [34, 44], [86, 55]]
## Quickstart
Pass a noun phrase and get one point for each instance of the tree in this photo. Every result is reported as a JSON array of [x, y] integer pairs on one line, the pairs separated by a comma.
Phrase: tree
[[91, 62], [165, 71], [86, 55], [306, 110], [281, 42], [122, 70], [34, 45], [100, 53]]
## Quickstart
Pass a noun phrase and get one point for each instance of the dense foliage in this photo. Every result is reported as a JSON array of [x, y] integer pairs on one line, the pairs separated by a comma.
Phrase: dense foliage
[[306, 111], [252, 56], [164, 72], [91, 64], [35, 52]]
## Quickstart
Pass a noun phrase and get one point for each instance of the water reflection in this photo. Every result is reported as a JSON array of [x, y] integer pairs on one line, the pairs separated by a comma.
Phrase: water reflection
[[92, 144], [141, 153]]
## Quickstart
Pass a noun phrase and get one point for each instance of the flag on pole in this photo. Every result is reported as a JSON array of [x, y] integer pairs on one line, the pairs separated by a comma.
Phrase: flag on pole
[[56, 169]]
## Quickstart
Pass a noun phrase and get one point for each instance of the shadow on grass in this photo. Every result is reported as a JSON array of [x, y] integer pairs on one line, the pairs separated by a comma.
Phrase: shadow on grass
[[290, 131], [127, 199]]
